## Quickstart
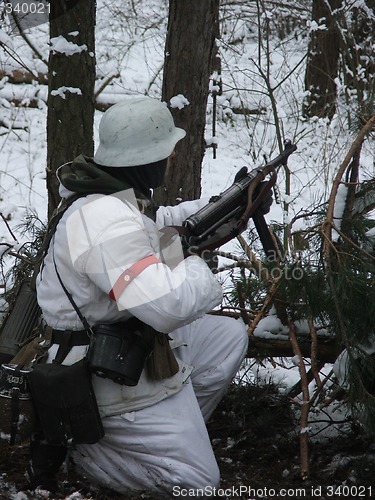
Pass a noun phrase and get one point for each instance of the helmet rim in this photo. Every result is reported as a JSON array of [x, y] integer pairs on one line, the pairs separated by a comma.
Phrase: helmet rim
[[150, 136]]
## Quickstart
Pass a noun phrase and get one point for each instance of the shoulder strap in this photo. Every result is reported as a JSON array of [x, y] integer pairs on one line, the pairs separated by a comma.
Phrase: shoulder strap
[[71, 300], [50, 231]]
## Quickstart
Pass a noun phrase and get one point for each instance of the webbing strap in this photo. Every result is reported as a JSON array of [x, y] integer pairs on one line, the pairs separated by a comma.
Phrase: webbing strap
[[129, 274], [50, 231], [15, 411]]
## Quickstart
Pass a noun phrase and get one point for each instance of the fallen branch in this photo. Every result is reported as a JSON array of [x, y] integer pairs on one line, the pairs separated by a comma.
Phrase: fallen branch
[[247, 111], [12, 126], [326, 350], [18, 76]]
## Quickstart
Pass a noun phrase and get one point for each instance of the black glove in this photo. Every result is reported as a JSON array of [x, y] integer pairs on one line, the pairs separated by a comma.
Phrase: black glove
[[241, 173], [265, 205]]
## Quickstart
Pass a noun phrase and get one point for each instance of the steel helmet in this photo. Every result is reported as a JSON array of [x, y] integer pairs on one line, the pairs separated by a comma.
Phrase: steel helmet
[[137, 131]]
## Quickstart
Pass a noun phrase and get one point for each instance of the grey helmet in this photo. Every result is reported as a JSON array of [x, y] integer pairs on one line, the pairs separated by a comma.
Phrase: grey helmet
[[136, 131]]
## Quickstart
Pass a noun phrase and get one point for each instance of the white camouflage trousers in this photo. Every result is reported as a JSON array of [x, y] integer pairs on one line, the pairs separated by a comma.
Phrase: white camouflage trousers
[[166, 445]]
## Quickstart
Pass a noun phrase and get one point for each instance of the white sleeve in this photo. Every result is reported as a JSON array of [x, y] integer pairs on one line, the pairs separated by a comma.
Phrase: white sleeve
[[187, 293], [174, 216], [166, 297]]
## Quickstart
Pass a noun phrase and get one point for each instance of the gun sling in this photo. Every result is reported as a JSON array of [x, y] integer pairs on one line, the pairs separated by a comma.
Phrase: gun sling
[[227, 215]]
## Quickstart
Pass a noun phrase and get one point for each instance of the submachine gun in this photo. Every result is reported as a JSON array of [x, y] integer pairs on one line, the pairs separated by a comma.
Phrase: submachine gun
[[227, 215]]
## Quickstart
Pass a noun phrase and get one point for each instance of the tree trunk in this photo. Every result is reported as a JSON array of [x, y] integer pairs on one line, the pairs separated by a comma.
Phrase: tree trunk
[[360, 61], [71, 76], [322, 61], [189, 46]]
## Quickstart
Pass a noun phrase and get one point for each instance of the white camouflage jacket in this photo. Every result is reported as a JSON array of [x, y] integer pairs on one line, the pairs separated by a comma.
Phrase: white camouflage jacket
[[98, 238]]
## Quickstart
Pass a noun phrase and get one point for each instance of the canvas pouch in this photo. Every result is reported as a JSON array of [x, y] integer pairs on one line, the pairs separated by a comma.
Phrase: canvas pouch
[[65, 403]]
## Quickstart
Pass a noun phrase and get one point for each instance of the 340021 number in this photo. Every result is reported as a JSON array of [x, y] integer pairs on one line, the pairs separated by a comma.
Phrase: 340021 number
[[27, 7], [349, 491]]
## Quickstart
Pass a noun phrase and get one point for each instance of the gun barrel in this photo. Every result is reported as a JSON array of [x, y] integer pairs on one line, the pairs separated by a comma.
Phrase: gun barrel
[[283, 156], [230, 205], [225, 206]]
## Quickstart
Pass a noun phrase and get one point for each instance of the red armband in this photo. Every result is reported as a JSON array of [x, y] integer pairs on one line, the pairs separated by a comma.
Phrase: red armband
[[129, 274]]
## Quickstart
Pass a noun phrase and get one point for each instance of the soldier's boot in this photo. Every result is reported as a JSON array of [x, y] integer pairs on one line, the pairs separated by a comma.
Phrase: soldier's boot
[[45, 462]]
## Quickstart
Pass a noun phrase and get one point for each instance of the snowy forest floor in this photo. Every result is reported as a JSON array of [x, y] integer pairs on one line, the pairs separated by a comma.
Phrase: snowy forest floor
[[257, 447]]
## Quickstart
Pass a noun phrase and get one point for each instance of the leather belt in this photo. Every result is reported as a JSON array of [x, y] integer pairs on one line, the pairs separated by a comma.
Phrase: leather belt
[[74, 338]]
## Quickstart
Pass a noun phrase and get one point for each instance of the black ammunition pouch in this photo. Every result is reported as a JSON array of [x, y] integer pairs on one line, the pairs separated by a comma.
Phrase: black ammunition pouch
[[119, 351], [65, 403]]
